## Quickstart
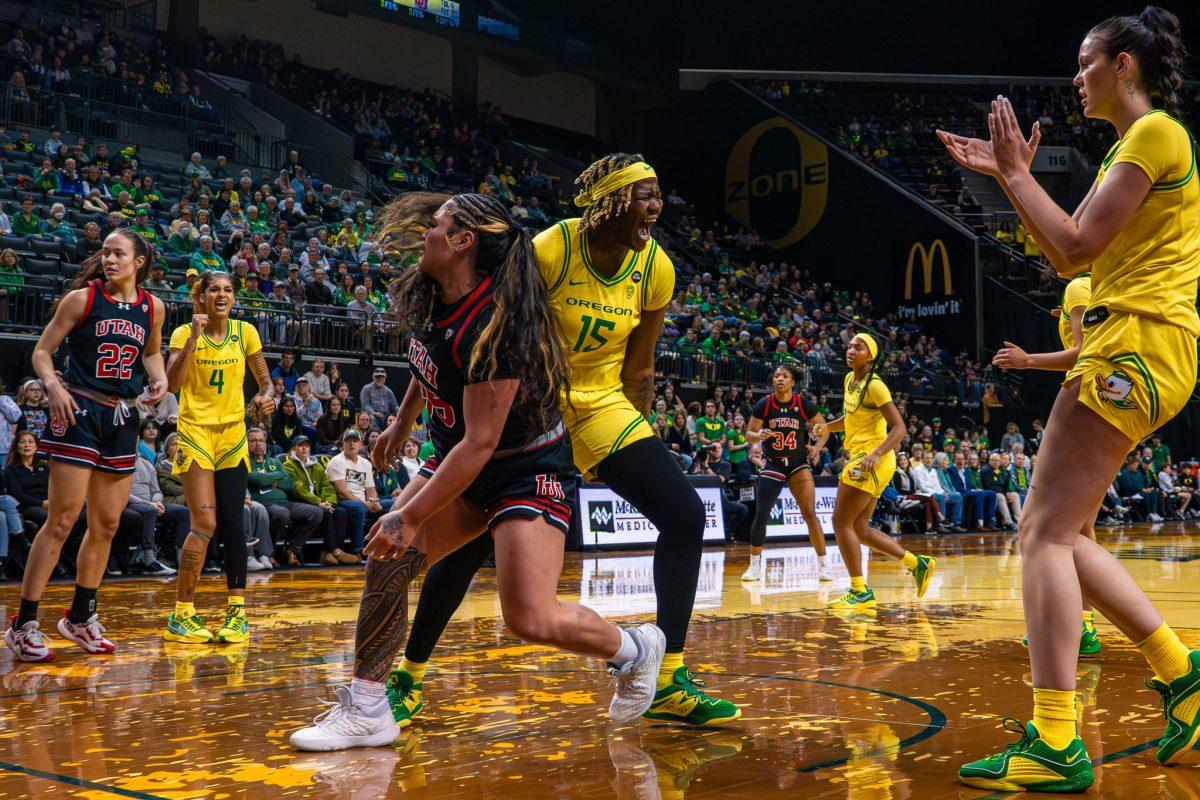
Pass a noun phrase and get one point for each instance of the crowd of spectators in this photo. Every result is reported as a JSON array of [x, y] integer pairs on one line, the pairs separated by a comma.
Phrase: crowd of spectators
[[312, 488], [950, 478], [78, 55]]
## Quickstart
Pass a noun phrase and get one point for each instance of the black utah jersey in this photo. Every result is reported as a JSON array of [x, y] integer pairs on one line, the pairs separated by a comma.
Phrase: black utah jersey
[[104, 351], [438, 359], [788, 421]]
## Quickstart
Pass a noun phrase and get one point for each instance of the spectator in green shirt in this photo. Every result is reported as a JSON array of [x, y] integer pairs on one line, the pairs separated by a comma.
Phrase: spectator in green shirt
[[27, 222], [142, 225], [714, 345], [257, 224], [181, 243], [710, 429], [687, 344], [57, 228], [311, 485], [1160, 452], [737, 449], [205, 258]]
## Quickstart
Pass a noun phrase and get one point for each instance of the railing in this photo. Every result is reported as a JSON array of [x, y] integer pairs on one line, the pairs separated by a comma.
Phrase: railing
[[94, 118]]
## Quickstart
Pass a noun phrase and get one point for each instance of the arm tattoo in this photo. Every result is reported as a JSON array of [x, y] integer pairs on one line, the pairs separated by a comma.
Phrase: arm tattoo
[[258, 365], [640, 392], [383, 613]]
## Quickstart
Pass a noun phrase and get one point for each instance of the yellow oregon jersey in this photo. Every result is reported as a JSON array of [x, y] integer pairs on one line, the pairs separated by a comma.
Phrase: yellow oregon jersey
[[1152, 265], [1078, 293], [598, 314], [212, 390], [865, 426]]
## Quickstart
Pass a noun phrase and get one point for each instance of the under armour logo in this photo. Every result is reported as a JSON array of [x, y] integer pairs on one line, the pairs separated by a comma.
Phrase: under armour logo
[[124, 306], [449, 333]]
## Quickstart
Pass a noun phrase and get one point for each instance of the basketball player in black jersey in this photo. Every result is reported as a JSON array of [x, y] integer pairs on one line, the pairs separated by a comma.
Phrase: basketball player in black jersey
[[487, 362], [780, 421], [113, 334]]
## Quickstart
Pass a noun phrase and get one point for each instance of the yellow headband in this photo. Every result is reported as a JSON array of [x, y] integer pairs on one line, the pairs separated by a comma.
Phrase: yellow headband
[[869, 341], [619, 179]]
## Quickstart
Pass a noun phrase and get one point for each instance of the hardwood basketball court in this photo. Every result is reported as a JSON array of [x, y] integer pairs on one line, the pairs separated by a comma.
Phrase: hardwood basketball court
[[876, 706]]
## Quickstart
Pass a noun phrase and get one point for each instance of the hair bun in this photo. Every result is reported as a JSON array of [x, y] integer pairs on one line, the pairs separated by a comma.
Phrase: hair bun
[[1160, 20]]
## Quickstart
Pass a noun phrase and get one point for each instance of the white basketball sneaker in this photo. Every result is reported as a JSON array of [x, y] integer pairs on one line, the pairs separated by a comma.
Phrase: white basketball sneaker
[[635, 683], [824, 572], [754, 572], [344, 725]]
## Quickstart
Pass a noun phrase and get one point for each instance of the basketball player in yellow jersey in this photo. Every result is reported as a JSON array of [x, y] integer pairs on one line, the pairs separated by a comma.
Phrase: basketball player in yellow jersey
[[207, 366], [1075, 299], [1139, 231], [873, 428], [609, 284]]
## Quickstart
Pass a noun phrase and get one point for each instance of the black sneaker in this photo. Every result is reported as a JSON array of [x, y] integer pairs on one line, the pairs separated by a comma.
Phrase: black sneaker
[[211, 567], [114, 568], [156, 568]]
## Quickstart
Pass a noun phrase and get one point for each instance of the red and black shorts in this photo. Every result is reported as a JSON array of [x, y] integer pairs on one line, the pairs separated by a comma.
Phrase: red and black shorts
[[539, 482], [102, 437], [780, 469]]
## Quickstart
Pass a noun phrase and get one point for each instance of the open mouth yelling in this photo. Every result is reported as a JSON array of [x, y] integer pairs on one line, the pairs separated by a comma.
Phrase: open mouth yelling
[[643, 228]]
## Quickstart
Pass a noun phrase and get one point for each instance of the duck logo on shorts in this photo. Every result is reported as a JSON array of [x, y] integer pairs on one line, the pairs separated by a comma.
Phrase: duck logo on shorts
[[1115, 389]]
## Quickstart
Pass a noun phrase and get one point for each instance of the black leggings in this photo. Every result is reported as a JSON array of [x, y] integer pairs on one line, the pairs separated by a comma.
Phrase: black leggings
[[766, 492], [645, 474], [229, 486]]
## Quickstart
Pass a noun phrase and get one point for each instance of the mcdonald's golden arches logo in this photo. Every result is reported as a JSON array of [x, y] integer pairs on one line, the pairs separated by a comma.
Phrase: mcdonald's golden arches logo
[[803, 172], [927, 257]]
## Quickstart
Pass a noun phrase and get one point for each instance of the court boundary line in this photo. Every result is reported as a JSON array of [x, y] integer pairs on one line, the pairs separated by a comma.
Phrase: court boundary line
[[80, 782]]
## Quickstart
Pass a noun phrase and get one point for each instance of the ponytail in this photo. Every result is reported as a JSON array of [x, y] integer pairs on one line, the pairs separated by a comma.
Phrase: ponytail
[[1154, 38]]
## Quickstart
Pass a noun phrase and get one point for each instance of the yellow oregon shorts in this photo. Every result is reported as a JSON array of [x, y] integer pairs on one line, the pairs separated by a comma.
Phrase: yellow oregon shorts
[[872, 481], [211, 447], [1136, 372], [601, 427]]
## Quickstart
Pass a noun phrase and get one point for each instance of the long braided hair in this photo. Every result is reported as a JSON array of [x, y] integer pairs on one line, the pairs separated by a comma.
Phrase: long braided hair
[[522, 323], [613, 204]]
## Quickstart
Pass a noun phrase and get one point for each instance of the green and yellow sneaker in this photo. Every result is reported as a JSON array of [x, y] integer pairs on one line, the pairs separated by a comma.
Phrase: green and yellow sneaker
[[854, 600], [923, 573], [1031, 765], [1181, 705], [403, 696], [187, 630], [682, 701], [236, 628], [1089, 641]]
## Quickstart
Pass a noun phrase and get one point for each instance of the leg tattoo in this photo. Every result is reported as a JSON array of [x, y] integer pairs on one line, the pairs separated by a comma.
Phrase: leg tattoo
[[383, 613]]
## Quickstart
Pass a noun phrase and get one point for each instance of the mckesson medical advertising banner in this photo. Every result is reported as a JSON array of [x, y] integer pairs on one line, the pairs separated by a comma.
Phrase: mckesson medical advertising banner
[[786, 521], [609, 521], [816, 206]]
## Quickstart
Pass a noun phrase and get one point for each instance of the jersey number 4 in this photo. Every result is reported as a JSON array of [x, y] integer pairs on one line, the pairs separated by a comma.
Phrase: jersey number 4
[[592, 327], [115, 361]]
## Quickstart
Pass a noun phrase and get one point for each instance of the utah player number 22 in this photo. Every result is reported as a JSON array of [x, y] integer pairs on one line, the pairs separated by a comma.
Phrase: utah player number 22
[[116, 361]]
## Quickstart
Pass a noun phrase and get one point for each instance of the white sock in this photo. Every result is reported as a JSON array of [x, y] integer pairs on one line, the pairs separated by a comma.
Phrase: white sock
[[823, 560], [367, 694], [627, 652]]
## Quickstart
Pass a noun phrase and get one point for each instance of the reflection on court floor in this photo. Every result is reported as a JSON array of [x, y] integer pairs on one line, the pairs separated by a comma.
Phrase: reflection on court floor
[[860, 706]]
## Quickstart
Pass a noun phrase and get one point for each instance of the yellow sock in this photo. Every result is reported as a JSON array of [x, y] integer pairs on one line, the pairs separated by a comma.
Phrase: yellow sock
[[1167, 656], [236, 600], [183, 609], [858, 583], [1054, 716], [909, 560], [414, 668], [1089, 619], [1078, 710], [666, 673]]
